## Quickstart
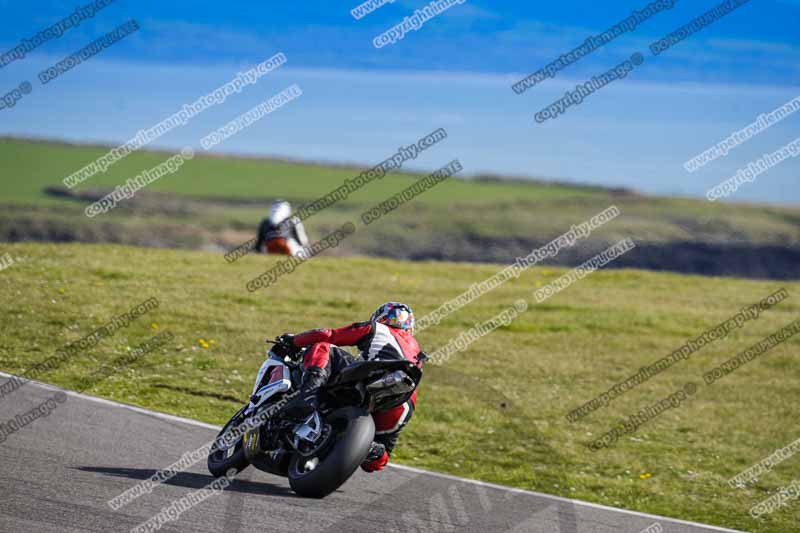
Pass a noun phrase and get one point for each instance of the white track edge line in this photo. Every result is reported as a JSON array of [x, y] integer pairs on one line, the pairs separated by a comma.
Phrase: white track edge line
[[113, 403], [197, 423], [562, 499]]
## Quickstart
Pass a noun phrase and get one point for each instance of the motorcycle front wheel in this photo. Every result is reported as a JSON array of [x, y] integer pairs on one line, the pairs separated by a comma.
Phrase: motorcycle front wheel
[[222, 460]]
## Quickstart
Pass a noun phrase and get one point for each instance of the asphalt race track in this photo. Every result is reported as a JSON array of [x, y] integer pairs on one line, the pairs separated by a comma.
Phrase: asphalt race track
[[58, 472]]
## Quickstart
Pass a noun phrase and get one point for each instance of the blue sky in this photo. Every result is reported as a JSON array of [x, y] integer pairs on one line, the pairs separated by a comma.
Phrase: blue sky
[[360, 103]]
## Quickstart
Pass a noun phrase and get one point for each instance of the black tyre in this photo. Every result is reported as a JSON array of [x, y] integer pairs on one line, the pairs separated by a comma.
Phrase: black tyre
[[355, 431], [222, 460]]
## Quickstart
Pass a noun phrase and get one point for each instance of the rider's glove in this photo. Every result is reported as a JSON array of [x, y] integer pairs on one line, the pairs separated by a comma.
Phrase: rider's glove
[[287, 339], [284, 346]]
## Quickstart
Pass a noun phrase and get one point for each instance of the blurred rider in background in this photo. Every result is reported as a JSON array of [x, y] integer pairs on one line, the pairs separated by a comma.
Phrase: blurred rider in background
[[281, 233]]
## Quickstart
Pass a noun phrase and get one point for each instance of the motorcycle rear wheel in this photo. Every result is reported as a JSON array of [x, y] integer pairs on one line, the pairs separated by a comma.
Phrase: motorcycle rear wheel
[[355, 431]]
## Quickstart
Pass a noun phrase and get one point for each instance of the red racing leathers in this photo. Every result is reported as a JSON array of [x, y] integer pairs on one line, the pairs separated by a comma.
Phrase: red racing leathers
[[375, 341]]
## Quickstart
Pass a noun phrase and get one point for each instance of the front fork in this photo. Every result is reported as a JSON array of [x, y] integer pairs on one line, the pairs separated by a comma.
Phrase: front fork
[[274, 379]]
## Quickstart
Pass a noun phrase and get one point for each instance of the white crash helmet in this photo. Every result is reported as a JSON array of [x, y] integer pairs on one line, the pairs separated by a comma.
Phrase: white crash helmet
[[280, 211]]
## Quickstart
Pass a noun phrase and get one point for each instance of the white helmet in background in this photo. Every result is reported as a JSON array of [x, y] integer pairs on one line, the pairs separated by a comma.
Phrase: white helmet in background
[[280, 211]]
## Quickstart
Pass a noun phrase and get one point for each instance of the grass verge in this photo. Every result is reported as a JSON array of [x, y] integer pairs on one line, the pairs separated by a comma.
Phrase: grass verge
[[495, 411]]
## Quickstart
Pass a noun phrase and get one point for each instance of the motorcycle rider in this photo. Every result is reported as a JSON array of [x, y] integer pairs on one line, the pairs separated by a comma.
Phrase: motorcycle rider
[[389, 334], [281, 233]]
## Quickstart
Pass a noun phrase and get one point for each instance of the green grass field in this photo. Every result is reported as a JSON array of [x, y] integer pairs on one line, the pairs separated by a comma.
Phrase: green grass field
[[32, 166], [462, 219], [495, 411]]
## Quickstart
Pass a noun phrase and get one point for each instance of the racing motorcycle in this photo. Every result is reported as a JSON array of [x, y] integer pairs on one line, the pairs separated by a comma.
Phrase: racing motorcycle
[[318, 450]]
